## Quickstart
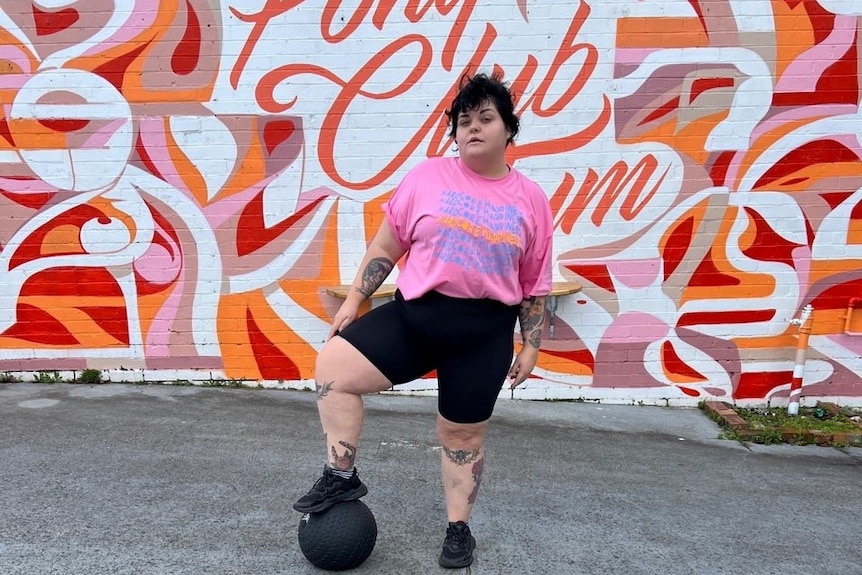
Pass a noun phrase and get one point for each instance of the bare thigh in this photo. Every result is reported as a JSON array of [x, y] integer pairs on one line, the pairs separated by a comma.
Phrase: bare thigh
[[343, 368]]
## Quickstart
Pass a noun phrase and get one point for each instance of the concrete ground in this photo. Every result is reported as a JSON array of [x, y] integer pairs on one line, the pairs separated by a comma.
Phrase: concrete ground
[[134, 479]]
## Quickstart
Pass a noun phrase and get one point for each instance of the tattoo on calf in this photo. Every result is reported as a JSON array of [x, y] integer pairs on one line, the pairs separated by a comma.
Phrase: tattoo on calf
[[478, 468], [460, 456], [323, 388], [373, 275], [345, 462]]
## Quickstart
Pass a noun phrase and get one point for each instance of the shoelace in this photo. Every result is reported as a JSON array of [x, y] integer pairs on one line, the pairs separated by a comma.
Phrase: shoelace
[[455, 535]]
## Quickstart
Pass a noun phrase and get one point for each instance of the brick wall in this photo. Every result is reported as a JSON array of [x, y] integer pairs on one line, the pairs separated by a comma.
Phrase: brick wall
[[181, 184]]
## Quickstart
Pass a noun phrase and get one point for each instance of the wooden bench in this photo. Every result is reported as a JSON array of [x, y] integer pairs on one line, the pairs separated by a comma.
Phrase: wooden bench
[[387, 291]]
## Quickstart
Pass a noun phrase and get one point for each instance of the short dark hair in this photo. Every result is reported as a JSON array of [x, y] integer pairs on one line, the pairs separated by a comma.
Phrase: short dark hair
[[479, 88]]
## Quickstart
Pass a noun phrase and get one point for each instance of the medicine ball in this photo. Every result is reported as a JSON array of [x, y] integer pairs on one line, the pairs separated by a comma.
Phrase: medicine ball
[[339, 538]]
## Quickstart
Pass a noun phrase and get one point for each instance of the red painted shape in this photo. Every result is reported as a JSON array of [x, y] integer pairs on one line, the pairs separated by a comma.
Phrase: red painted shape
[[251, 234], [598, 274], [582, 356], [72, 281], [718, 171], [114, 71], [188, 51], [662, 110], [37, 325], [835, 199], [148, 163], [5, 133], [676, 246], [63, 125], [822, 21], [32, 200], [696, 5], [48, 23], [112, 320], [717, 317], [277, 132], [758, 384], [768, 246], [856, 212], [818, 152], [838, 84], [707, 275], [675, 364], [272, 363], [688, 391], [31, 247], [837, 296], [701, 85]]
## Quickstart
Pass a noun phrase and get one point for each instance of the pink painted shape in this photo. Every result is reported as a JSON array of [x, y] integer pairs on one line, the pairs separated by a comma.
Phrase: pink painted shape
[[14, 81], [218, 213], [155, 142], [35, 185], [99, 138], [802, 264], [158, 339], [158, 265], [632, 55], [141, 20], [805, 71], [851, 342], [635, 274], [635, 326]]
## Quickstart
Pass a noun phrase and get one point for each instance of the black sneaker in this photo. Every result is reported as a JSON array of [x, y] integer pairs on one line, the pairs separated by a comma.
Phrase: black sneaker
[[458, 546], [329, 490]]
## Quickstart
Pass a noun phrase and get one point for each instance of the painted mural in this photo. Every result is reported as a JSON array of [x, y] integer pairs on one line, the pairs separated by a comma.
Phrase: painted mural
[[181, 180]]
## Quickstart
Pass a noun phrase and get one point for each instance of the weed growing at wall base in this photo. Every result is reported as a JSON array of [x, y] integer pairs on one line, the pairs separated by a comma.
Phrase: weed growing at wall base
[[825, 424], [90, 376]]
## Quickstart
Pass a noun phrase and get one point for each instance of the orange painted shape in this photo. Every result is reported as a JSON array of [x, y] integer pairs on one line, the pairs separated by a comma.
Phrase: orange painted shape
[[655, 32], [675, 368], [794, 33], [62, 240], [37, 326]]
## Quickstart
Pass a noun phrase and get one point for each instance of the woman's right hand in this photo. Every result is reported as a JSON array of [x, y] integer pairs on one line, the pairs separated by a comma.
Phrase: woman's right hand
[[345, 315]]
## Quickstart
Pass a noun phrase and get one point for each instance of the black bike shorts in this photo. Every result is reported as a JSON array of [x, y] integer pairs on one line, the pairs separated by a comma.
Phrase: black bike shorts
[[468, 341]]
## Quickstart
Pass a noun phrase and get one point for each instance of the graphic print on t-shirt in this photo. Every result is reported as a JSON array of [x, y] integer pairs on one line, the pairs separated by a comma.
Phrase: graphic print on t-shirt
[[478, 235]]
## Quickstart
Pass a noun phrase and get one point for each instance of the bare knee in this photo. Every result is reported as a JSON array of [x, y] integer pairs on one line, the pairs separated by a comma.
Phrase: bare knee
[[461, 442], [340, 367]]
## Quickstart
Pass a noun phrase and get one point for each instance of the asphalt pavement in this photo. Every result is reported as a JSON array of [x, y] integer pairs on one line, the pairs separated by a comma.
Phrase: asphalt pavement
[[162, 480]]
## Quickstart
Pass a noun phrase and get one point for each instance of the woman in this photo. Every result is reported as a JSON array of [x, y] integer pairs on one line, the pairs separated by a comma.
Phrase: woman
[[477, 238]]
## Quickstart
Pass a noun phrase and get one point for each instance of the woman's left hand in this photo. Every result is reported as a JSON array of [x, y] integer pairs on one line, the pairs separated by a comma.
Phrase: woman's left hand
[[523, 365]]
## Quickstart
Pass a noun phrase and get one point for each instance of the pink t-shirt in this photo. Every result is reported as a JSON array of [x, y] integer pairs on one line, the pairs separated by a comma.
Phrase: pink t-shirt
[[471, 237]]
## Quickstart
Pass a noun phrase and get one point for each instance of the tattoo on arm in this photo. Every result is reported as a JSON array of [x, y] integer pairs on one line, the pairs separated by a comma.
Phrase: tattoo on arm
[[373, 275], [532, 317], [345, 462], [478, 468], [323, 388], [460, 456]]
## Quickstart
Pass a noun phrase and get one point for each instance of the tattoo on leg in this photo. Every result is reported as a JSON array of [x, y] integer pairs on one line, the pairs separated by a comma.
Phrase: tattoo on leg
[[346, 461], [478, 468], [373, 275], [460, 456], [323, 388]]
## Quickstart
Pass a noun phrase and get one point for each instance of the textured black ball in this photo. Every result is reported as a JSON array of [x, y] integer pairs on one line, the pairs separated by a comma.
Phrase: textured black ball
[[340, 538]]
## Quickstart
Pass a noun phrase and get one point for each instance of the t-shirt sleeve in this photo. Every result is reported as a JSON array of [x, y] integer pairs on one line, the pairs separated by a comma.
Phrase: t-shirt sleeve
[[398, 210], [536, 268]]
